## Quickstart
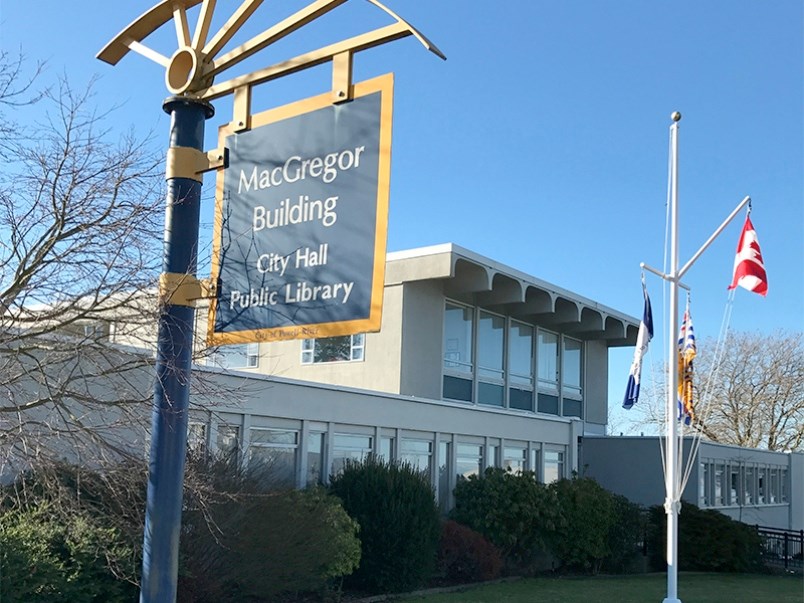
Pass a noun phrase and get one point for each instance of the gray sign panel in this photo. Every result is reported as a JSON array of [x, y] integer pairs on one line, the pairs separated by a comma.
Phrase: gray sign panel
[[303, 221]]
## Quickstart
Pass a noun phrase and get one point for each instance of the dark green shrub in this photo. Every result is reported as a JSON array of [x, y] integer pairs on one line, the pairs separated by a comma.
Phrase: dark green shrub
[[707, 541], [45, 558], [625, 536], [581, 539], [239, 541], [399, 523], [465, 556], [512, 510]]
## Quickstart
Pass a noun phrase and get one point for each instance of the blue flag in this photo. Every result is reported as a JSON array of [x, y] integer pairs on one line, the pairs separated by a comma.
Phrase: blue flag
[[643, 339]]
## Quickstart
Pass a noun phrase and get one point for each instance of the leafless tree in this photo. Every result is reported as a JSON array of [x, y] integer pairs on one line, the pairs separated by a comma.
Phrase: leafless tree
[[756, 398], [752, 396], [80, 223]]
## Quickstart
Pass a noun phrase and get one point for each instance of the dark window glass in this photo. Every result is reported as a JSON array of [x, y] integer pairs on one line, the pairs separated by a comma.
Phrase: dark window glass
[[548, 404], [457, 389], [521, 399], [573, 408], [490, 393]]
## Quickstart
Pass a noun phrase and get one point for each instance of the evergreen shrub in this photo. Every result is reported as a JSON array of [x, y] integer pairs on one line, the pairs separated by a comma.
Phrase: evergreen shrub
[[512, 510], [399, 523], [707, 541], [240, 542], [581, 539]]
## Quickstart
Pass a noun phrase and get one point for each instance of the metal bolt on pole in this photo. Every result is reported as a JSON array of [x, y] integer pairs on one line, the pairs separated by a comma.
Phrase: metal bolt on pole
[[173, 363]]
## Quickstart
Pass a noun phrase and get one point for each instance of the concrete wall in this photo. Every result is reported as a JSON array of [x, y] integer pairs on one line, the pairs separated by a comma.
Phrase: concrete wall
[[422, 335], [378, 371], [632, 467], [596, 379]]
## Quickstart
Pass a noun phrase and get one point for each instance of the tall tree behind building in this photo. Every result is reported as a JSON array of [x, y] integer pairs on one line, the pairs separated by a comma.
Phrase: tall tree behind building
[[756, 395]]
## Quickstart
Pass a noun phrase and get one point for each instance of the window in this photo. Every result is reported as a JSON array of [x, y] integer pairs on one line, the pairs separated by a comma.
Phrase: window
[[547, 357], [535, 464], [514, 458], [348, 446], [272, 455], [241, 355], [458, 362], [572, 377], [761, 485], [345, 348], [494, 360], [520, 360], [386, 448], [784, 487], [704, 488], [718, 485], [228, 441], [196, 437], [490, 358], [750, 487], [734, 485], [315, 457], [553, 466], [469, 459], [444, 492], [417, 453], [773, 490]]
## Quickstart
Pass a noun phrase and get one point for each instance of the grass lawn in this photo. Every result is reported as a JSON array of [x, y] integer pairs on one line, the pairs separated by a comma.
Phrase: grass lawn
[[692, 588]]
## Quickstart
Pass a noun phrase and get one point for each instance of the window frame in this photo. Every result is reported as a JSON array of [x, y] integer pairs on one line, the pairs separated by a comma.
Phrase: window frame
[[357, 350]]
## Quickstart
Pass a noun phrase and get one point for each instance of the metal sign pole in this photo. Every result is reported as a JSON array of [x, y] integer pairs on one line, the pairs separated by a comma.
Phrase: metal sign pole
[[160, 557]]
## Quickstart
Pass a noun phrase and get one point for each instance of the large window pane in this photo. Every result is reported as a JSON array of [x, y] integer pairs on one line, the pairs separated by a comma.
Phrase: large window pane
[[315, 456], [348, 446], [514, 458], [458, 339], [272, 456], [553, 466], [469, 459], [490, 351], [520, 354], [547, 357], [417, 453], [572, 367]]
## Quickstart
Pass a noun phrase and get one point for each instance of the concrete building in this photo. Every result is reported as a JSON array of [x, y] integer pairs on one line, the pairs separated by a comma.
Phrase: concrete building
[[758, 487], [476, 365]]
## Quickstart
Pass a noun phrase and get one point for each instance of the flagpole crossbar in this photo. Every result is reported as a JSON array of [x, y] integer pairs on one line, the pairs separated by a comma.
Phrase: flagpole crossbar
[[664, 276], [710, 240]]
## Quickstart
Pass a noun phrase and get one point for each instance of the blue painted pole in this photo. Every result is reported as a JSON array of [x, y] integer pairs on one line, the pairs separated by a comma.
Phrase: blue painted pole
[[160, 560]]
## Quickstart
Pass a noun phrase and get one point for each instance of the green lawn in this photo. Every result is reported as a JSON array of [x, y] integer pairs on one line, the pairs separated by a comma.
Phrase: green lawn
[[692, 588]]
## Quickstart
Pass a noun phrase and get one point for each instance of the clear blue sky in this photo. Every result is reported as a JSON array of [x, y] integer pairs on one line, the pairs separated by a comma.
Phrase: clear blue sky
[[542, 140]]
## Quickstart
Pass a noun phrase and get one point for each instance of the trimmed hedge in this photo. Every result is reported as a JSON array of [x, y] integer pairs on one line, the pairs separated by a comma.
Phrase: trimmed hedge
[[399, 523]]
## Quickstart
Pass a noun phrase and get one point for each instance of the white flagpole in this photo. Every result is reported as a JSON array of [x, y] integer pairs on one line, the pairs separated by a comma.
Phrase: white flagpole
[[672, 495], [673, 448]]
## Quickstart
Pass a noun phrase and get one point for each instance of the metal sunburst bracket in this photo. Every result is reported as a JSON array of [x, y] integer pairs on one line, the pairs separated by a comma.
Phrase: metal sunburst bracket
[[193, 67]]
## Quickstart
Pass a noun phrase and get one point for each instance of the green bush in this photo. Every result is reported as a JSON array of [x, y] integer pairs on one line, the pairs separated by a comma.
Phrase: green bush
[[625, 536], [512, 510], [399, 523], [707, 541], [240, 542], [465, 556], [44, 558], [581, 539]]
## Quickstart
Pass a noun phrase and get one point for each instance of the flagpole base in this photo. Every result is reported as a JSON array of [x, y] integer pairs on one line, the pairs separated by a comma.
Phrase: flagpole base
[[671, 600]]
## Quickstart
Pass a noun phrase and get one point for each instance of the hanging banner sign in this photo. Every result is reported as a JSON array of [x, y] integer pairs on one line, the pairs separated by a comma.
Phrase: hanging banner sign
[[301, 220]]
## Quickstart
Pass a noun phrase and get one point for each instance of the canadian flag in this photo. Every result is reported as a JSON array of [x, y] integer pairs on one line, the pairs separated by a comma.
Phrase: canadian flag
[[749, 269]]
